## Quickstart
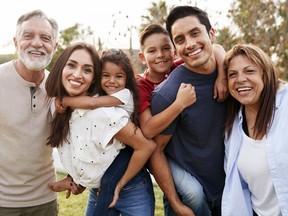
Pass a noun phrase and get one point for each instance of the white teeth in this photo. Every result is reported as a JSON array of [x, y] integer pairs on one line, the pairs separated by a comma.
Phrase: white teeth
[[244, 89], [34, 52], [162, 62], [111, 87], [195, 52], [75, 83]]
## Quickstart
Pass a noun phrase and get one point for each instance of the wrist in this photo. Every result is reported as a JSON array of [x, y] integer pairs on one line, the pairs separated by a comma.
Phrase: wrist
[[179, 107], [175, 202], [68, 176]]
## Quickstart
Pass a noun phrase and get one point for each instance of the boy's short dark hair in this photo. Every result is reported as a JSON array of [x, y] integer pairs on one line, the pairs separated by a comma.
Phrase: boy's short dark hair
[[150, 30]]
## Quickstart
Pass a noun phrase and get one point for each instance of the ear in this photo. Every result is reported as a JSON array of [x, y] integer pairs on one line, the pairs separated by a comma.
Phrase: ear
[[212, 33], [15, 42], [142, 58], [55, 47]]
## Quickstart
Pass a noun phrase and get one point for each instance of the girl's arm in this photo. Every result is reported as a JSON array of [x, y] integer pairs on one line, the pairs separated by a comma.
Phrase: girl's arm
[[153, 125], [87, 102], [220, 87]]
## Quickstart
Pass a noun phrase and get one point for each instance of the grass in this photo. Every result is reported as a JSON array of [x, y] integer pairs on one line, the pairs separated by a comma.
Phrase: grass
[[75, 205]]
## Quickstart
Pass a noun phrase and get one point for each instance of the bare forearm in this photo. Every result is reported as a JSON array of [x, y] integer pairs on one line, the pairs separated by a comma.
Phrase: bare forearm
[[87, 102], [154, 125]]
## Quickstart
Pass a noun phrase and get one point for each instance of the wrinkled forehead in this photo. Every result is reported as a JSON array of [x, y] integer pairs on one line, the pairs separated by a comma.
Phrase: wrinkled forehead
[[35, 25]]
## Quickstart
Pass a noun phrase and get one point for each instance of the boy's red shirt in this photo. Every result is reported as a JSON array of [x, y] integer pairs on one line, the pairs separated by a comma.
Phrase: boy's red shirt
[[146, 87]]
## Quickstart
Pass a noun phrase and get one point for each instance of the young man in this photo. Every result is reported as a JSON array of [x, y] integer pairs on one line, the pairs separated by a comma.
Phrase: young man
[[157, 53], [26, 163], [191, 147]]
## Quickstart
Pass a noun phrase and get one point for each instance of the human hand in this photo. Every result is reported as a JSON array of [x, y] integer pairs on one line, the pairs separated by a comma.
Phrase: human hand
[[186, 95], [116, 195], [76, 188], [61, 185], [66, 184], [221, 89], [183, 210], [59, 107], [221, 85]]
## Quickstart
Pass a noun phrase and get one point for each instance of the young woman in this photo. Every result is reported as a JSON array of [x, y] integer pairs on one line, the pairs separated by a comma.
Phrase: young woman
[[89, 140]]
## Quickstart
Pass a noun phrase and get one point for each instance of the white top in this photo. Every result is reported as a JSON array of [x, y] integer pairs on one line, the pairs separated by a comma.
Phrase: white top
[[236, 195], [88, 152], [26, 162], [253, 167], [126, 97]]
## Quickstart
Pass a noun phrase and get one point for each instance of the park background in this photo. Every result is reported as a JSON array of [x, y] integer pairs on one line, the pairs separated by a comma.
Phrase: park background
[[116, 24]]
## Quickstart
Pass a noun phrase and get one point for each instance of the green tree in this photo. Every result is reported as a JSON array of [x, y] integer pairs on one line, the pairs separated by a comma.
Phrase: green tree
[[7, 57], [70, 35], [99, 45], [260, 22], [157, 13]]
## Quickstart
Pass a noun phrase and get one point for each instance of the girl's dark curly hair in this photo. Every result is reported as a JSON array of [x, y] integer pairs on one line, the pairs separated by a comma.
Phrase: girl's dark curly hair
[[118, 57]]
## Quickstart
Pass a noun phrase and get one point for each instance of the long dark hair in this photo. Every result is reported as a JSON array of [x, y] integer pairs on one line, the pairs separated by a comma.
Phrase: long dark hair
[[118, 57], [268, 95], [55, 88]]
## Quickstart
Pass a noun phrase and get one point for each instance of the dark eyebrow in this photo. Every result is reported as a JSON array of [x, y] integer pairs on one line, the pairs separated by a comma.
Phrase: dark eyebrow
[[87, 65]]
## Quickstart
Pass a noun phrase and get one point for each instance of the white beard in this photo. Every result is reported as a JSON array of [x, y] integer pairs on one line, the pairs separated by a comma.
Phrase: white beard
[[37, 63]]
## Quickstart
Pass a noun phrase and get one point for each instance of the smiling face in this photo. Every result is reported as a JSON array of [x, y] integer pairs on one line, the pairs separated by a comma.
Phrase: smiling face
[[35, 43], [158, 53], [78, 73], [192, 42], [113, 78], [245, 81]]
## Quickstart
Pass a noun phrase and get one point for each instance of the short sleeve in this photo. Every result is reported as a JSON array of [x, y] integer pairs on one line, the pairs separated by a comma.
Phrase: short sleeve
[[123, 95], [126, 97], [145, 90], [106, 126]]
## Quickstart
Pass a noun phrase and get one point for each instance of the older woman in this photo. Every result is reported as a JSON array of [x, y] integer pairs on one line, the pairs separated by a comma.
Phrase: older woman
[[256, 143]]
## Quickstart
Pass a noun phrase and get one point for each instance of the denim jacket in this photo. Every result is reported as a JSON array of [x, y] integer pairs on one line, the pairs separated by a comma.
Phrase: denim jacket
[[236, 195]]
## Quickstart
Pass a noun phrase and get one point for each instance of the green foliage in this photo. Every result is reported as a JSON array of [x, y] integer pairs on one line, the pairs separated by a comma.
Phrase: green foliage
[[68, 36], [75, 205], [5, 58], [260, 22], [263, 23], [157, 13]]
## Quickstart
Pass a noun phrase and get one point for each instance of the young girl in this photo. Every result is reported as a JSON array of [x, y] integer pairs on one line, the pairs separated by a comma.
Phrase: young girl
[[85, 138], [117, 83]]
